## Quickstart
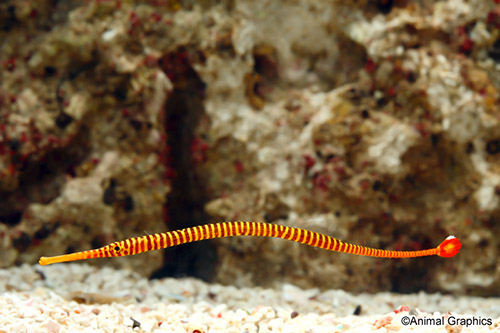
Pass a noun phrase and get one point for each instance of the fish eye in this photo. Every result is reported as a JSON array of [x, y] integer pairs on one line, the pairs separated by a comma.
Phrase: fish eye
[[116, 248]]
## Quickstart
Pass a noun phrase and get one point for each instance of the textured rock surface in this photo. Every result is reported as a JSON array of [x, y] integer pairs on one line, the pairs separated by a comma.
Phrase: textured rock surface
[[397, 153], [375, 122], [83, 136]]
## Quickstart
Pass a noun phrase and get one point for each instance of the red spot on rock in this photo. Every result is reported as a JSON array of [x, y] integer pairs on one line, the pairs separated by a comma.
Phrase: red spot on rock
[[492, 17], [156, 17], [370, 66], [309, 161], [398, 246], [393, 198], [12, 169], [135, 22], [334, 159], [168, 174], [321, 181], [365, 164], [461, 31], [238, 165], [198, 150], [9, 64], [422, 129], [466, 45], [416, 246], [364, 184], [340, 171], [166, 215], [176, 65], [23, 137], [150, 60]]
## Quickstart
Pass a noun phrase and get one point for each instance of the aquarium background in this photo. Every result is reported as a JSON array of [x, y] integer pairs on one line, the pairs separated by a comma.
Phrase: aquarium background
[[376, 122]]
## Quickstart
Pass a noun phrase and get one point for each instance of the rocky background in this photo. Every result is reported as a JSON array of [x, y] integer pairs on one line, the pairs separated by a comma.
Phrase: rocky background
[[376, 122]]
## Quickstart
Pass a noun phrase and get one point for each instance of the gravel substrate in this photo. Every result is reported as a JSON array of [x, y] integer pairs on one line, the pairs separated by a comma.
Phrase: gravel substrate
[[78, 297]]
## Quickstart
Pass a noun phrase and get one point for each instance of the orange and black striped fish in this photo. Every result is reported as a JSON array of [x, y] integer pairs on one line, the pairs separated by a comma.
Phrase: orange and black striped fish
[[448, 248]]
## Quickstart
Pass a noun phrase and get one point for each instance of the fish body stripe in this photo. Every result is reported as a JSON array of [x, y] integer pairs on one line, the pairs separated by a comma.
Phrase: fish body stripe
[[308, 238], [176, 237], [328, 239], [313, 238], [196, 234], [128, 247], [199, 231], [163, 240], [317, 239], [158, 241], [187, 236], [297, 235], [278, 230], [285, 233], [133, 242], [224, 227], [323, 241], [152, 242]]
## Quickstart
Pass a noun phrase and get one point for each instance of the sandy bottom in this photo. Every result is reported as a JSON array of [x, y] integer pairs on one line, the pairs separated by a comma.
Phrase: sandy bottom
[[78, 297]]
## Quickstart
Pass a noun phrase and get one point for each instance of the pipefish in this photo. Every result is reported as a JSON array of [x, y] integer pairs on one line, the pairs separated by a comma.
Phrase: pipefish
[[448, 248]]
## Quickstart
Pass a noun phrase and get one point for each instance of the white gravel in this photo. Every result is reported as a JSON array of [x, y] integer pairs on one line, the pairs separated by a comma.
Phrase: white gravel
[[82, 298]]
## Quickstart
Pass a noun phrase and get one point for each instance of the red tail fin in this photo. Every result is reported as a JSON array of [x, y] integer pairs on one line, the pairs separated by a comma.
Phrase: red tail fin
[[449, 247]]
